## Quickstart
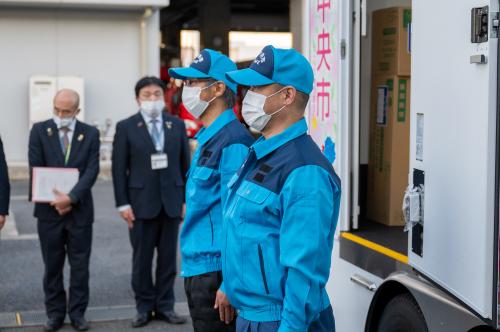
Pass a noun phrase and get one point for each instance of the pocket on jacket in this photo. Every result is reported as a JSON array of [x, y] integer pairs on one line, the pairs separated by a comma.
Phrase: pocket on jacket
[[211, 228], [253, 193], [202, 173], [263, 268]]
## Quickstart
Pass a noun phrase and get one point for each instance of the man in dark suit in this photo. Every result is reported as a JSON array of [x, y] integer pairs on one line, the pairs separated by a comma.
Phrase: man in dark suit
[[65, 224], [150, 159], [4, 188]]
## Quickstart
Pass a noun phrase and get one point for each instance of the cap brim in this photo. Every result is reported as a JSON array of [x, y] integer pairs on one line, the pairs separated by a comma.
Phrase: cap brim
[[183, 73], [248, 77]]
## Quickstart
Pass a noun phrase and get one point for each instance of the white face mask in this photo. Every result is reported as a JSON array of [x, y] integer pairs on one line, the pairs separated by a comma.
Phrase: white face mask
[[253, 109], [192, 101], [63, 122], [153, 108]]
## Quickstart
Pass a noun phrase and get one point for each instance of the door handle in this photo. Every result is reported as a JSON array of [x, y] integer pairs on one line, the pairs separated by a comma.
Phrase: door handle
[[479, 59], [363, 282]]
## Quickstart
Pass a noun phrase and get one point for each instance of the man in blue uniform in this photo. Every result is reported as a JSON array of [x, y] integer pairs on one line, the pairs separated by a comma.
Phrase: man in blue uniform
[[282, 207], [222, 146]]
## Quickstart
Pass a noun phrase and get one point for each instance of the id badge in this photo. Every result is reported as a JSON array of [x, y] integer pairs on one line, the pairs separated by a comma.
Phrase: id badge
[[159, 161]]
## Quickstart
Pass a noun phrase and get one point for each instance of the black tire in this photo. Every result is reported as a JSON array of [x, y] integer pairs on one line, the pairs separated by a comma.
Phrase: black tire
[[402, 314]]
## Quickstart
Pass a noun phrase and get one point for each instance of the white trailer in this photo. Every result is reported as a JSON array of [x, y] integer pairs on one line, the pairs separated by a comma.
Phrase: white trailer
[[443, 274]]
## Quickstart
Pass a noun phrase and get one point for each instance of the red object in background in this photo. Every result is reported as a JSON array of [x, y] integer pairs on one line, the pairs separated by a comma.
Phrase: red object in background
[[172, 98], [164, 76], [238, 104]]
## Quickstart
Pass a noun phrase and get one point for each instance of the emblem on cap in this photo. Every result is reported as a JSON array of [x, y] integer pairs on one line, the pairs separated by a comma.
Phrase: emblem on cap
[[198, 59], [260, 59]]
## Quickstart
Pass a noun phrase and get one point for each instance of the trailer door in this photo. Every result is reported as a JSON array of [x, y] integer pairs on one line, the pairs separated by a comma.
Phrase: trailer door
[[329, 46], [453, 147]]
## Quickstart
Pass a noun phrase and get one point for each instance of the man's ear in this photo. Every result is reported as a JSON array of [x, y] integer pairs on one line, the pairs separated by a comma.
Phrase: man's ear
[[290, 94], [77, 112], [220, 88]]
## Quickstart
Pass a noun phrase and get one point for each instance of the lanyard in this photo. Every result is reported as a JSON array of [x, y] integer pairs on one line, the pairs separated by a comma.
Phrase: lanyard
[[66, 157], [156, 136]]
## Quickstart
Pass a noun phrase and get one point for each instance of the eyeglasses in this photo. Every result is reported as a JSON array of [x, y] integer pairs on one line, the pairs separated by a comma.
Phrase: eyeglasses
[[192, 82]]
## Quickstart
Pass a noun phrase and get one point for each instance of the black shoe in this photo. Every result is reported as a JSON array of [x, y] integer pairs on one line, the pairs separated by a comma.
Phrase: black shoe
[[53, 325], [170, 317], [80, 324], [142, 319]]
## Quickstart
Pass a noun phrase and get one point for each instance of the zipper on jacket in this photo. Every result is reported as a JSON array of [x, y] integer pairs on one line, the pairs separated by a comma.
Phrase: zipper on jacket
[[262, 269]]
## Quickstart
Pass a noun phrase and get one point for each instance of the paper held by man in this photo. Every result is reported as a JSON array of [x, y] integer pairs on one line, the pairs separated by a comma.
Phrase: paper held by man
[[46, 179]]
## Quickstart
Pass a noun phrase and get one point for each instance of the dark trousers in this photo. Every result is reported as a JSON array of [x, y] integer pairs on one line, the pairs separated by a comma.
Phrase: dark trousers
[[146, 235], [324, 323], [201, 291], [59, 238]]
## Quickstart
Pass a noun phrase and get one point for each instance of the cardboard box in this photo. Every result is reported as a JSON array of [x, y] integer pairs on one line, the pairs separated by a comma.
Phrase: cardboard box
[[388, 166], [390, 42]]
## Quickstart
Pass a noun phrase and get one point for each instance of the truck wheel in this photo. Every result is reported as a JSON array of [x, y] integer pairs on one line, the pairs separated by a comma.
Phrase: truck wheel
[[402, 314]]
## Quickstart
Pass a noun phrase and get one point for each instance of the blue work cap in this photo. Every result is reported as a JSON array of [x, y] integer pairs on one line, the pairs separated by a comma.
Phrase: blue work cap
[[277, 65], [208, 64]]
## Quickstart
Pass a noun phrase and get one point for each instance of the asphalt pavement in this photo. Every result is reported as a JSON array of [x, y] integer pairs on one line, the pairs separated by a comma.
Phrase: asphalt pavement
[[111, 298]]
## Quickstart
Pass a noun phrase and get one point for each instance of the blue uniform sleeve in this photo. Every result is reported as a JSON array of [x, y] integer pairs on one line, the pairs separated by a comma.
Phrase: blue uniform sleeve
[[232, 158], [310, 200], [222, 287]]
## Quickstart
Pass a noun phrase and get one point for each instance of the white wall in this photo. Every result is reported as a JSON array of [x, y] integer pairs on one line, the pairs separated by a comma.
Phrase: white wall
[[102, 46], [366, 55]]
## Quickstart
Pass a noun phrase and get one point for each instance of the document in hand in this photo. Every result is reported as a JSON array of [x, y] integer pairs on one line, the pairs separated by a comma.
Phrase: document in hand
[[46, 179]]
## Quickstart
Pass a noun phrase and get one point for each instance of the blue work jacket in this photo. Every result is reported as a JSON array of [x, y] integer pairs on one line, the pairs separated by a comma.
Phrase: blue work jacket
[[222, 147], [279, 223]]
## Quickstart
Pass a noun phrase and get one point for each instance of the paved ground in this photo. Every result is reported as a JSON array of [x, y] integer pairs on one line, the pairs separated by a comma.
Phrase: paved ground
[[113, 326], [21, 267]]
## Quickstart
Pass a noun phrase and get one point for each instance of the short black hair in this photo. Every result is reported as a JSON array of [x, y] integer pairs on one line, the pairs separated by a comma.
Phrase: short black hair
[[302, 99], [149, 80], [229, 96]]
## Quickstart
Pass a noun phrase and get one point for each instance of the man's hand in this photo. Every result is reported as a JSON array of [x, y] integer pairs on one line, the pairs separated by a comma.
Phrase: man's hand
[[183, 215], [226, 311], [62, 203], [2, 221], [128, 216], [65, 210]]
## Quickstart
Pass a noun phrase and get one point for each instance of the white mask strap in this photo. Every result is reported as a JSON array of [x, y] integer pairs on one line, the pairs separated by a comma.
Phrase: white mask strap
[[274, 94], [277, 111], [211, 100]]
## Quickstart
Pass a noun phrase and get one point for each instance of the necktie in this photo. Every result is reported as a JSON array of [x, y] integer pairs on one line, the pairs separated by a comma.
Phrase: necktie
[[64, 140], [155, 134]]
